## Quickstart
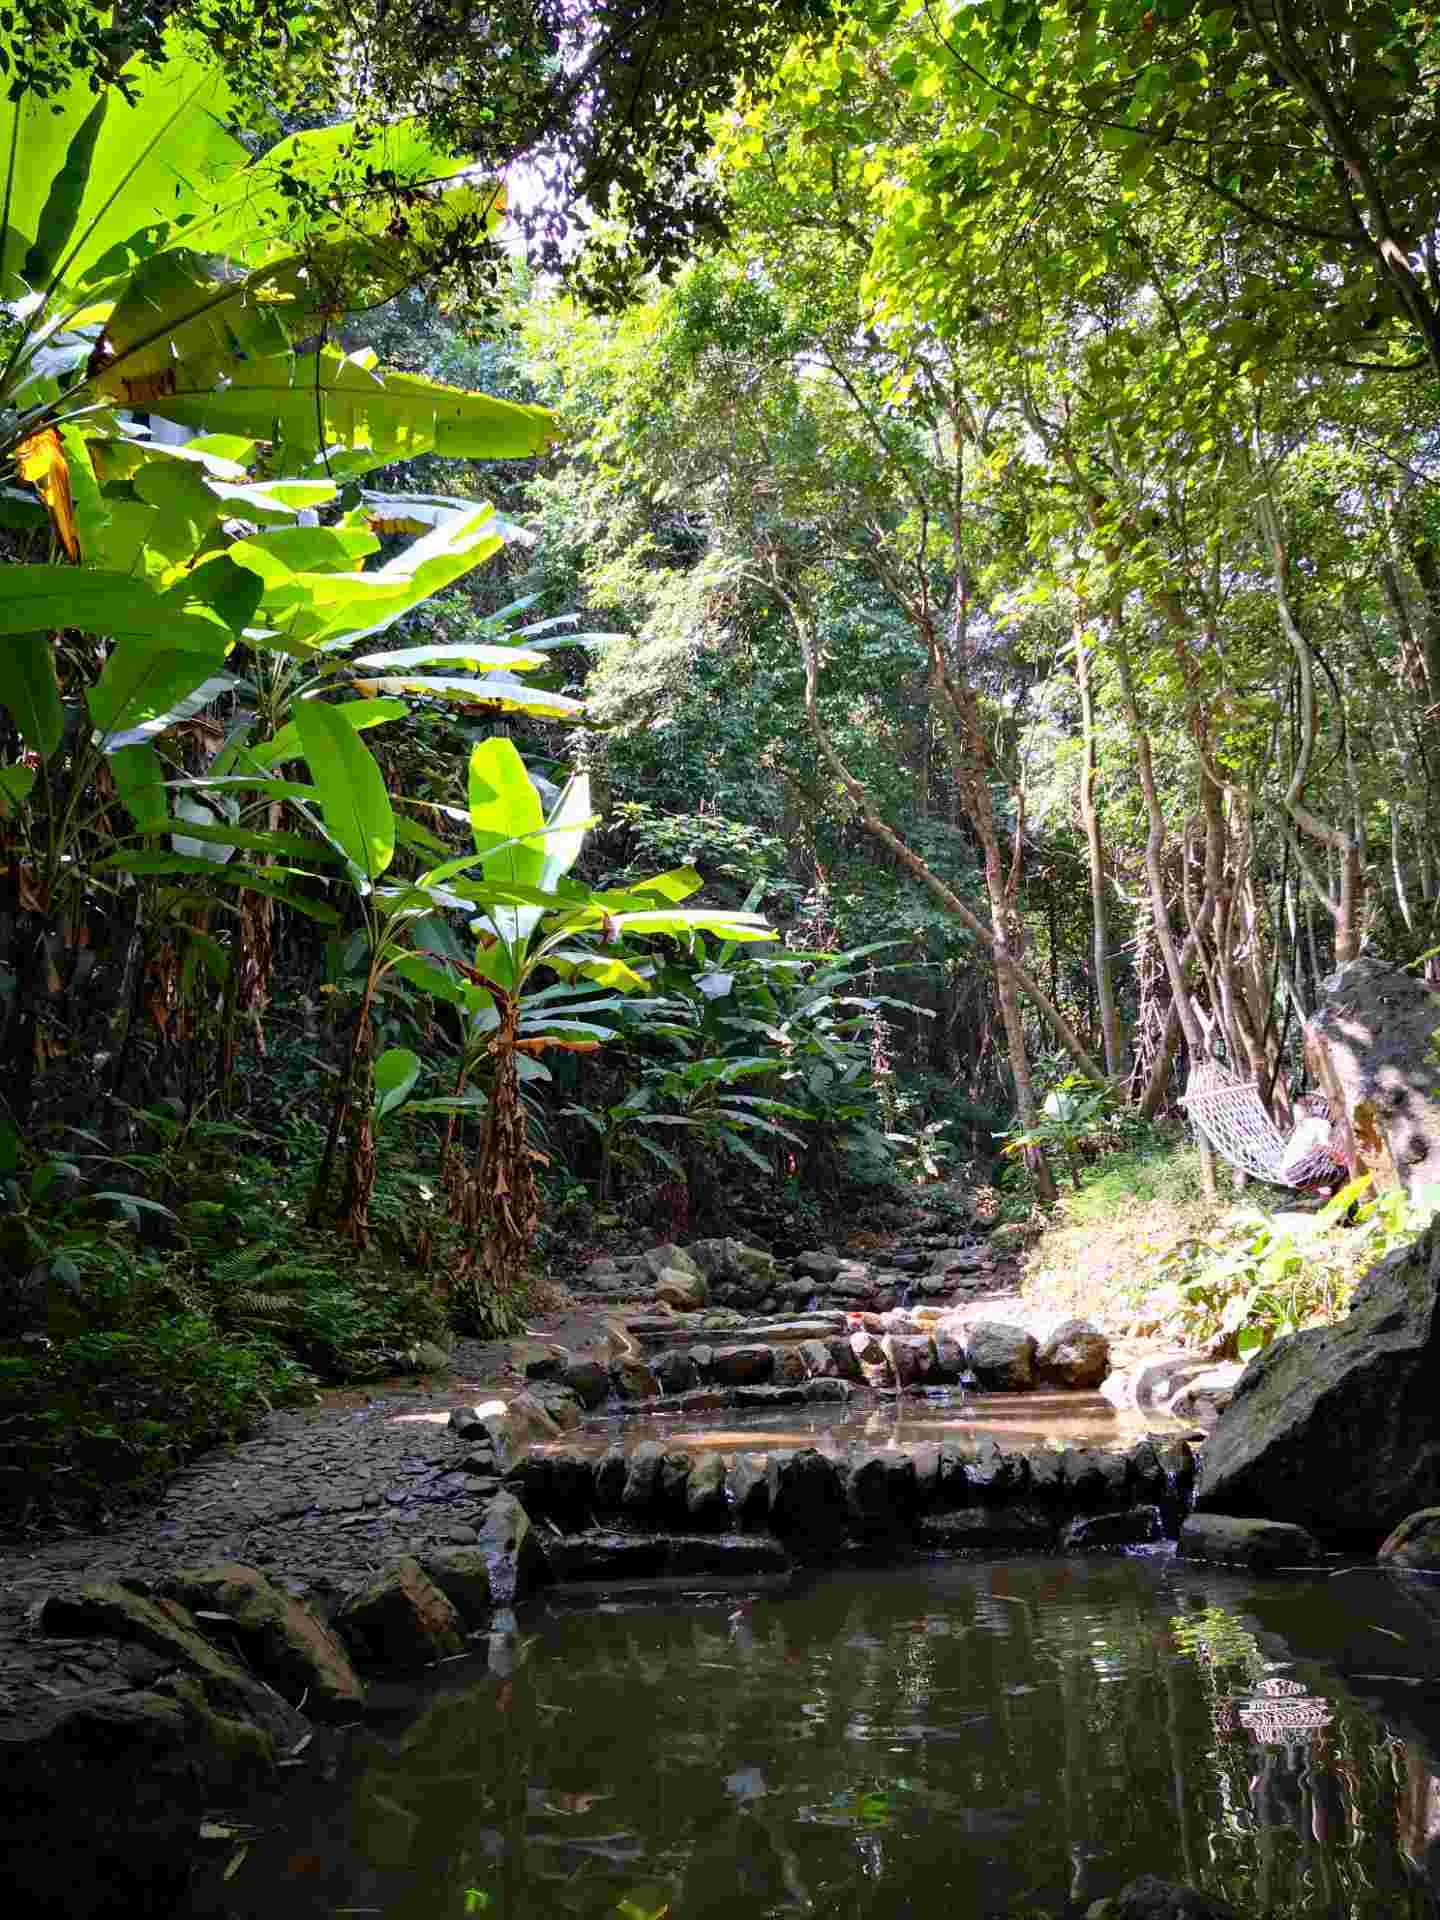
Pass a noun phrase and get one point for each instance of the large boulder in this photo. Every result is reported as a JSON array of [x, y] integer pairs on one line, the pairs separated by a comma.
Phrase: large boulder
[[218, 1684], [807, 1502], [1262, 1545], [685, 1292], [401, 1618], [280, 1637], [1002, 1357], [1338, 1428], [1415, 1543], [514, 1558], [1372, 1043], [1076, 1355], [742, 1366], [670, 1259]]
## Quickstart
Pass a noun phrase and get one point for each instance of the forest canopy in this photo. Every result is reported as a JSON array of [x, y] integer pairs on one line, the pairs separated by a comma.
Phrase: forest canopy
[[619, 613]]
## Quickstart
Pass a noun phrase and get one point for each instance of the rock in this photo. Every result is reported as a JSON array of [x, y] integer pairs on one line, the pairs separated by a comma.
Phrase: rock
[[279, 1637], [674, 1481], [641, 1498], [514, 1559], [705, 1494], [116, 1610], [1011, 1238], [468, 1423], [739, 1273], [1338, 1428], [1002, 1357], [1131, 1527], [1150, 1899], [670, 1259], [1415, 1542], [826, 1392], [846, 1364], [628, 1556], [557, 1400], [1075, 1355], [742, 1366], [958, 1260], [880, 1492], [871, 1358], [1371, 1043], [1047, 1475], [790, 1368], [817, 1359], [807, 1502], [463, 1576], [911, 1358], [725, 1555], [401, 1619], [612, 1470], [685, 1292], [702, 1358], [927, 1473], [103, 1754], [818, 1264], [950, 1360], [1013, 1526], [526, 1418], [675, 1371], [589, 1381], [747, 1486], [1093, 1478], [1258, 1544], [1205, 1396], [607, 1556], [993, 1475], [633, 1380], [769, 1396]]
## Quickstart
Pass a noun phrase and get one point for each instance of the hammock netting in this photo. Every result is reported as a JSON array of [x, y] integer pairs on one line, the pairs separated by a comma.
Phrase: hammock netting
[[1232, 1116]]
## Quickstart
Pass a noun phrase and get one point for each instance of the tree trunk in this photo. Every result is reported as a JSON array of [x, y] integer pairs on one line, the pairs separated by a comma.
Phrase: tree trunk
[[1117, 1059]]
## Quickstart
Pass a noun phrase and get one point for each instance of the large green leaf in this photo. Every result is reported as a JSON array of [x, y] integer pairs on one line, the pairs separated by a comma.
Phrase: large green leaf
[[352, 790], [360, 714], [571, 813], [329, 399], [101, 600], [140, 781], [503, 806], [28, 687], [396, 1072], [144, 163], [461, 653], [142, 687], [184, 319]]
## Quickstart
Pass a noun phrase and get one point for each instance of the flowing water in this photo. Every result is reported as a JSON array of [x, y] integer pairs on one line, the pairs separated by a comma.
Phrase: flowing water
[[952, 1739]]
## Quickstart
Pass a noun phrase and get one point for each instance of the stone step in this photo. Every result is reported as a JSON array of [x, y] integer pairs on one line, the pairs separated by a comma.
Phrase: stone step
[[931, 1495]]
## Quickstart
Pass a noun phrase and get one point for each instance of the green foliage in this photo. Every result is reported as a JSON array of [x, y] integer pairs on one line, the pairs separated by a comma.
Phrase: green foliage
[[1262, 1276]]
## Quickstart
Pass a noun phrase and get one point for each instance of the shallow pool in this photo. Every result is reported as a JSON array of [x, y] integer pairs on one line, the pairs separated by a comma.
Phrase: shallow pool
[[1013, 1420], [957, 1740]]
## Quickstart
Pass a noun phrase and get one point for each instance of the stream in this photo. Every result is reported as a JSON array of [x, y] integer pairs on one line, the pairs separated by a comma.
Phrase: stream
[[957, 1739]]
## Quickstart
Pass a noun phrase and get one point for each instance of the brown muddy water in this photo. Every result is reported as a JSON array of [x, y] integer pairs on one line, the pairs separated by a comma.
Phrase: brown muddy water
[[952, 1740], [1013, 1420]]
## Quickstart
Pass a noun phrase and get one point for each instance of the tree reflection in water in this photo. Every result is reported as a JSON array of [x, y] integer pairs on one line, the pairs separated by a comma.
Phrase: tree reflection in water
[[957, 1740]]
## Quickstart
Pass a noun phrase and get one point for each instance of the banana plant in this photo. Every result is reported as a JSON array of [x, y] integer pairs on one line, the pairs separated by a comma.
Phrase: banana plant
[[530, 919]]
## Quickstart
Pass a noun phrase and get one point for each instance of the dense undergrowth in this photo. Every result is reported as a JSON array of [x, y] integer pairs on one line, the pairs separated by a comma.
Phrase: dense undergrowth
[[1140, 1248]]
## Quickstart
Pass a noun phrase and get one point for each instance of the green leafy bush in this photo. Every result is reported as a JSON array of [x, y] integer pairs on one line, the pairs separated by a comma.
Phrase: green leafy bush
[[1260, 1276]]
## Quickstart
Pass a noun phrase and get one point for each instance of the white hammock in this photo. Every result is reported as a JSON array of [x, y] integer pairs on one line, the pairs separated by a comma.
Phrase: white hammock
[[1231, 1115]]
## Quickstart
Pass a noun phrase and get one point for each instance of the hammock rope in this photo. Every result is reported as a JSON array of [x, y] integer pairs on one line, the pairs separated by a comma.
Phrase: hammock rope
[[1231, 1115]]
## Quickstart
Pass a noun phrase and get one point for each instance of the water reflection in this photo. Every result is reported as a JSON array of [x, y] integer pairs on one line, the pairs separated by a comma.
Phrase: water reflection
[[963, 1741], [1010, 1419]]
